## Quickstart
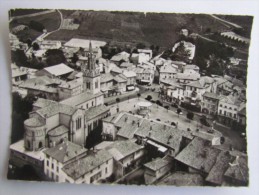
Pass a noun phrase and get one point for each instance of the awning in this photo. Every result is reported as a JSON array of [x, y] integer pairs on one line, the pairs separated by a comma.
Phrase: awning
[[159, 147], [130, 87], [145, 81]]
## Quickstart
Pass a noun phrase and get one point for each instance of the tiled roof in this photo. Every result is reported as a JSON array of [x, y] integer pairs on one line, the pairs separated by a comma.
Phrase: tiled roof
[[191, 66], [121, 56], [17, 72], [40, 83], [106, 77], [120, 78], [128, 125], [199, 155], [59, 69], [187, 76], [231, 99], [32, 122], [65, 151], [71, 84], [75, 42], [238, 169], [80, 98], [217, 172], [211, 95], [168, 69], [41, 102], [86, 164], [95, 111], [122, 149], [157, 164], [54, 109], [182, 179], [129, 73], [58, 131]]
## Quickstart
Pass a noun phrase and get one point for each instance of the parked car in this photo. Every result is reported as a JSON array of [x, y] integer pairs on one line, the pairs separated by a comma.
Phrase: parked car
[[158, 119]]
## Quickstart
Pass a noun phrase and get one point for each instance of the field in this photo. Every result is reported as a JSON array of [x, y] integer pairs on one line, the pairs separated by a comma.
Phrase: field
[[134, 27]]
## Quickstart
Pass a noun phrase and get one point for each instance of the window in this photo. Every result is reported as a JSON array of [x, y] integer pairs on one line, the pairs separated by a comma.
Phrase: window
[[235, 109], [95, 177], [52, 166], [230, 108], [96, 84], [57, 178], [92, 103], [57, 169], [235, 115], [225, 113], [220, 105], [78, 123], [230, 114], [47, 163], [106, 170], [225, 106]]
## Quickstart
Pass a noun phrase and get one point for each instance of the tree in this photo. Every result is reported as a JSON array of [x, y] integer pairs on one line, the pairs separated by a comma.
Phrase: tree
[[36, 26], [75, 58], [55, 56], [35, 46], [138, 95], [29, 42], [19, 58], [181, 53], [190, 115], [149, 97], [167, 108], [141, 46]]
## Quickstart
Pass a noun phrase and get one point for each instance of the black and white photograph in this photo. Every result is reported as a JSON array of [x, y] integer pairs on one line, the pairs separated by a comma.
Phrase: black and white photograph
[[127, 97]]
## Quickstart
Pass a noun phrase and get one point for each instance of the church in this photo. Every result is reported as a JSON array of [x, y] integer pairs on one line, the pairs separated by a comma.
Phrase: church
[[72, 119]]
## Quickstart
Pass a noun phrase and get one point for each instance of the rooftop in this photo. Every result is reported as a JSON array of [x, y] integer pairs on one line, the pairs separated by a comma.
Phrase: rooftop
[[59, 69], [71, 84], [129, 73], [217, 172], [168, 69], [121, 56], [41, 103], [19, 147], [106, 77], [17, 73], [156, 164], [33, 122], [238, 169], [199, 155], [95, 111], [84, 165], [65, 151], [60, 130], [182, 179], [54, 109], [74, 42], [122, 149], [80, 98]]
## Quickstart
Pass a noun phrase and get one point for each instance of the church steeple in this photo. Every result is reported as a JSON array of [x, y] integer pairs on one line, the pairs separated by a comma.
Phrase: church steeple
[[91, 74]]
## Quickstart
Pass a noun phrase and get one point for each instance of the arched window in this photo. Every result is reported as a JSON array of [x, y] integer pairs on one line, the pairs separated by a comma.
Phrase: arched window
[[40, 145], [28, 144]]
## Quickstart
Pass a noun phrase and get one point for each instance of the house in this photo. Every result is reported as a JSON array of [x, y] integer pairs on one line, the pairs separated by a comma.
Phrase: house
[[131, 78], [14, 41], [171, 91], [42, 86], [139, 58], [191, 67], [183, 78], [228, 109], [146, 52], [224, 87], [156, 169], [70, 88], [59, 156], [120, 58], [188, 47], [144, 76], [120, 126], [197, 157], [89, 169], [241, 115], [84, 44], [18, 75], [56, 71], [126, 155], [167, 71], [50, 44], [194, 90], [210, 102], [180, 178], [112, 85]]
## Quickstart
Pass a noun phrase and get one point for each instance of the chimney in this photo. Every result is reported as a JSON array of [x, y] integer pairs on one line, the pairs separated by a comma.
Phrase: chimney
[[138, 123], [164, 127]]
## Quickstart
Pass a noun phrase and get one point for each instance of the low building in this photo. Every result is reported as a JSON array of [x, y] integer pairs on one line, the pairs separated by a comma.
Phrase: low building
[[120, 58], [50, 44], [156, 169], [56, 71], [167, 72], [131, 78], [183, 78], [144, 76], [59, 156], [228, 109], [210, 103], [188, 46], [127, 155], [90, 169], [70, 88], [18, 75]]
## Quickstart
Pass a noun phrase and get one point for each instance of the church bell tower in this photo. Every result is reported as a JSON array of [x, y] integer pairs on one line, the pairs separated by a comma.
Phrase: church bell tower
[[91, 74]]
